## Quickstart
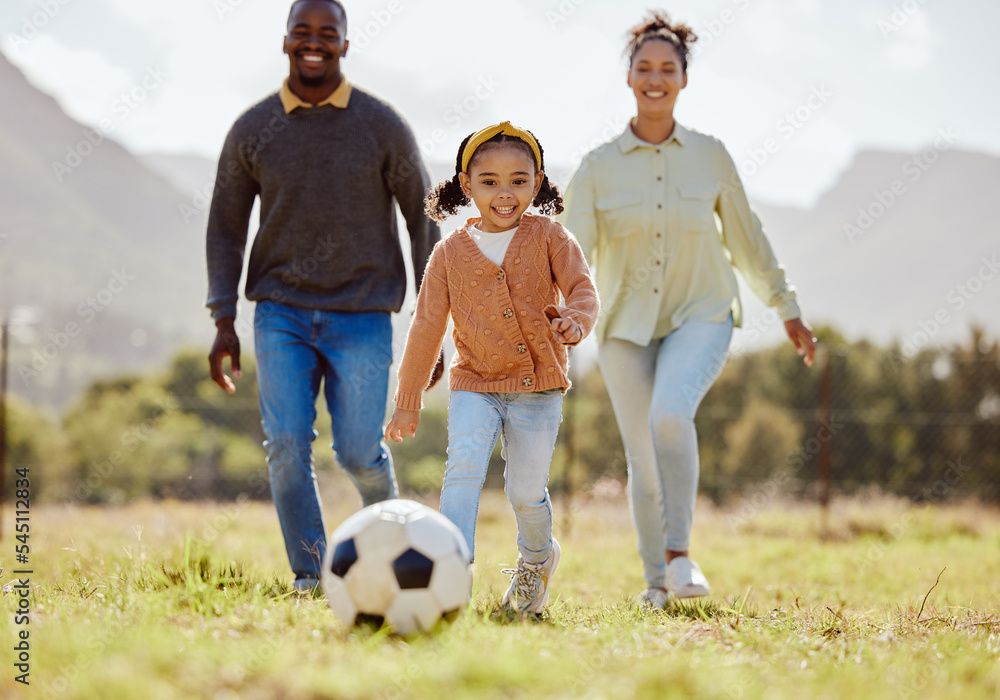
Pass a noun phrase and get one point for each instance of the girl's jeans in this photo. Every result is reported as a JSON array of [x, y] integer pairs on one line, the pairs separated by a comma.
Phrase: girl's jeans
[[527, 424]]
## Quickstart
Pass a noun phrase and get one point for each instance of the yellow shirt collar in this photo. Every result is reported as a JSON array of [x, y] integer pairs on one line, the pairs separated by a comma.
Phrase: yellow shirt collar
[[338, 98], [628, 141]]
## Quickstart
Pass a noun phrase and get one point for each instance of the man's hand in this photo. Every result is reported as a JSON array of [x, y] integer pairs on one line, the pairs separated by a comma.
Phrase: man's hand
[[802, 338], [566, 330], [438, 371], [227, 344], [402, 424]]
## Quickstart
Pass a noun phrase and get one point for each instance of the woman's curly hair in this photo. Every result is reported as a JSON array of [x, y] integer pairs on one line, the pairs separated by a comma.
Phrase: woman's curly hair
[[447, 198], [657, 25]]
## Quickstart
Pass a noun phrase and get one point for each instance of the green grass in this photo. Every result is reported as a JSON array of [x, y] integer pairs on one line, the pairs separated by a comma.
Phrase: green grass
[[178, 600]]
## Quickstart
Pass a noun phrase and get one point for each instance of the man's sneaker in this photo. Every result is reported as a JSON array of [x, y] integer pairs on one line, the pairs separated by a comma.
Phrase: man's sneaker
[[684, 578], [654, 598], [529, 583]]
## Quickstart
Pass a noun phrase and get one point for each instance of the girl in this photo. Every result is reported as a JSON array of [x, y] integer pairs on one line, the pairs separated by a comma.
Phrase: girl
[[644, 206], [499, 278]]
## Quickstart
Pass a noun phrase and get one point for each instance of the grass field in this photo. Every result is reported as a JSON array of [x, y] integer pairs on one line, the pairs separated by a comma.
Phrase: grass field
[[179, 600]]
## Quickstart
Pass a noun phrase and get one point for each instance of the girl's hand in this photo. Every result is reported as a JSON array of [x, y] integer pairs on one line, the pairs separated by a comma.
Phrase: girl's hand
[[566, 330], [402, 424]]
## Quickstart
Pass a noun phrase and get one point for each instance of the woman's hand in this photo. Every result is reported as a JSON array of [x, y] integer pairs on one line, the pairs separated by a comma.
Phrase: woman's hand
[[802, 338], [566, 330], [402, 424]]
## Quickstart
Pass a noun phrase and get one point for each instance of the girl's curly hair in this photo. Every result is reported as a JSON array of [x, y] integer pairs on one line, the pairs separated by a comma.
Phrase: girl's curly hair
[[657, 25], [447, 198]]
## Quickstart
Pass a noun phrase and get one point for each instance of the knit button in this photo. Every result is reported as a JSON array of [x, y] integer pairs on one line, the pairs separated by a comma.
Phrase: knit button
[[527, 381], [543, 345], [473, 283], [523, 312], [463, 336], [531, 336], [493, 317], [496, 357], [466, 258], [500, 343], [509, 365], [518, 285], [487, 331], [517, 261], [507, 313], [500, 275], [479, 272], [521, 347], [527, 270], [480, 307], [551, 370], [527, 299], [536, 322], [487, 293]]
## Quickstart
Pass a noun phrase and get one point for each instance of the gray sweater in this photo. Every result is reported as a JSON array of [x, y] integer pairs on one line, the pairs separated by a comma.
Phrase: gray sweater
[[326, 178]]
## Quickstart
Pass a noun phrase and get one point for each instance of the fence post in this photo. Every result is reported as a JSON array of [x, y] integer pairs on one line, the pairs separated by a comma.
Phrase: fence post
[[825, 421]]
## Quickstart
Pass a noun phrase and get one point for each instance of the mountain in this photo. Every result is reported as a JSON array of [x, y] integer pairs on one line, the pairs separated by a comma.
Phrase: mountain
[[94, 242], [904, 247], [103, 251]]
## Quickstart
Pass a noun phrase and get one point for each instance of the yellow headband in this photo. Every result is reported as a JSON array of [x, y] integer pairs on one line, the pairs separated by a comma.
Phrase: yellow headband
[[484, 135]]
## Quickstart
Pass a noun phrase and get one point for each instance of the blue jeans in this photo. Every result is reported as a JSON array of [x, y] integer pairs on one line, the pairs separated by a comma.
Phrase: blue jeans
[[350, 353], [655, 391], [528, 425]]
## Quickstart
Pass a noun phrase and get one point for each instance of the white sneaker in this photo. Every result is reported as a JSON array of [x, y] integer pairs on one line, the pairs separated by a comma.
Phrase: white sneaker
[[529, 583], [654, 598], [685, 580]]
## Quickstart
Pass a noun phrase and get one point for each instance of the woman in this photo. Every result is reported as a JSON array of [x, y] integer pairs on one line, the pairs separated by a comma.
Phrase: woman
[[643, 207]]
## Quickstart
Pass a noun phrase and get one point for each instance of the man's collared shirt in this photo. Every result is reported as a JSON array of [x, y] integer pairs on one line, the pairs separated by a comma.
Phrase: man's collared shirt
[[338, 98]]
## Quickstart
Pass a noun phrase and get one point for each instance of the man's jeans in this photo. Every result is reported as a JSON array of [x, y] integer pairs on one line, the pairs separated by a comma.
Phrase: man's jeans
[[527, 424], [351, 353]]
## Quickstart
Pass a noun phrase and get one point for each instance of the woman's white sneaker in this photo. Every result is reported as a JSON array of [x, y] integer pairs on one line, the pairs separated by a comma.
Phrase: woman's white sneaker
[[655, 598], [685, 580]]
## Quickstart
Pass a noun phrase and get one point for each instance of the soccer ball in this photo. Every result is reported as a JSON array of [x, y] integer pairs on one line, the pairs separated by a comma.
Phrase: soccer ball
[[398, 562]]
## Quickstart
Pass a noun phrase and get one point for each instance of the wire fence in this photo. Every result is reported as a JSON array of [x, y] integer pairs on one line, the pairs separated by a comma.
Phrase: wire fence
[[925, 427]]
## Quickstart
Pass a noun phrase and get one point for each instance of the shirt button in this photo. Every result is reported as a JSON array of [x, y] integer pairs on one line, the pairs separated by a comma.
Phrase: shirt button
[[655, 290], [500, 275], [507, 313], [657, 262], [659, 235], [527, 381], [659, 179], [521, 347], [659, 206]]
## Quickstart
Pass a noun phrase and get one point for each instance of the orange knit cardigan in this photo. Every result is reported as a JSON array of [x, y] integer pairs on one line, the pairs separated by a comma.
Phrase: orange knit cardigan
[[501, 314]]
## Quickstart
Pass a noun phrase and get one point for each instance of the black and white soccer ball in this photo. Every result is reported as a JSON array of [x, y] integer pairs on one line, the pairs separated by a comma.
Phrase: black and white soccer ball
[[398, 562]]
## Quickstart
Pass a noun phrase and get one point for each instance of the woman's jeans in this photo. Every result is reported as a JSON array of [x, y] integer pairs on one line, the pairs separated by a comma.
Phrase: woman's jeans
[[527, 424], [655, 391], [350, 353]]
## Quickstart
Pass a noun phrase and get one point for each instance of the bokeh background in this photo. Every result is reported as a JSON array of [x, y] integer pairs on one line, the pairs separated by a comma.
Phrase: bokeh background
[[865, 133]]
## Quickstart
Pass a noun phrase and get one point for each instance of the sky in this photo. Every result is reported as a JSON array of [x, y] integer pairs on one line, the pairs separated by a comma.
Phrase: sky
[[817, 81]]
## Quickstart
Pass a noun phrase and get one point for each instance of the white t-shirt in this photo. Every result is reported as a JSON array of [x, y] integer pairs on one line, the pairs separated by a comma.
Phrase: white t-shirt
[[493, 245]]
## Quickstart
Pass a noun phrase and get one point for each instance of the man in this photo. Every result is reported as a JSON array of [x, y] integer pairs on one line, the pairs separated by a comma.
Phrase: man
[[327, 161]]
